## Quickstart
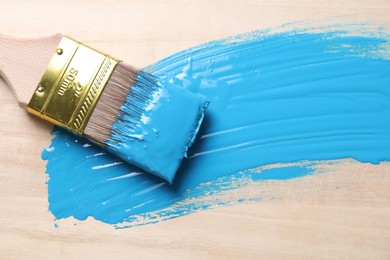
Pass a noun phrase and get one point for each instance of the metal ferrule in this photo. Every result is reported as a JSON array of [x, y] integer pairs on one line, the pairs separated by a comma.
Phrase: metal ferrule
[[72, 85]]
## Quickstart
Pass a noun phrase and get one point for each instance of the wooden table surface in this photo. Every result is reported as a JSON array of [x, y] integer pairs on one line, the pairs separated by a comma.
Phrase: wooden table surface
[[312, 220]]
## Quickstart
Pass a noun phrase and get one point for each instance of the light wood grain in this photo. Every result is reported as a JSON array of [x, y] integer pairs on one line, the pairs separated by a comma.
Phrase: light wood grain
[[341, 214], [23, 62]]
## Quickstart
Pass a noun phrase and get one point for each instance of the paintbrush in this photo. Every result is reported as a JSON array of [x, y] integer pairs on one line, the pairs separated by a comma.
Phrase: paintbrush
[[128, 112]]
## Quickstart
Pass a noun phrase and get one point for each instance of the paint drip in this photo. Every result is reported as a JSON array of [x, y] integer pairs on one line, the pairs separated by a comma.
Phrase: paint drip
[[281, 102]]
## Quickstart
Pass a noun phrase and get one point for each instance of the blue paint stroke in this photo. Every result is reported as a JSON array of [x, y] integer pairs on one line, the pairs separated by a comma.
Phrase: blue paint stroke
[[282, 173], [276, 96]]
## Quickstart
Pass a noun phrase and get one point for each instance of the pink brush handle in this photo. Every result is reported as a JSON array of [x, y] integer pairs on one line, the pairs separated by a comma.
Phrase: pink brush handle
[[23, 61]]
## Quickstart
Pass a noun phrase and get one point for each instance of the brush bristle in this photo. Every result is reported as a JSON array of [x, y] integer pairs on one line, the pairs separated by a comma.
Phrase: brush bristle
[[100, 126], [146, 121]]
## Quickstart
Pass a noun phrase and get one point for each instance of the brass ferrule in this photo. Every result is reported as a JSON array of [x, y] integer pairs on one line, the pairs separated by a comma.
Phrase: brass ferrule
[[72, 85]]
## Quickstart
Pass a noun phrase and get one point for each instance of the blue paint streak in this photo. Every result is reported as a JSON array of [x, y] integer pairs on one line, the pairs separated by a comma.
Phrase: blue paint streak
[[283, 173], [282, 97]]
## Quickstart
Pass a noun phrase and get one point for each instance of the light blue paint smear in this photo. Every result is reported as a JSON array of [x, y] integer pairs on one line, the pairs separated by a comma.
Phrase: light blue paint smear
[[282, 173], [276, 97]]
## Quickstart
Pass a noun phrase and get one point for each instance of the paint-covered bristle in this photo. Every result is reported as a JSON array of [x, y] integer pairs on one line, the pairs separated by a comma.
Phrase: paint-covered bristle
[[106, 112], [145, 121]]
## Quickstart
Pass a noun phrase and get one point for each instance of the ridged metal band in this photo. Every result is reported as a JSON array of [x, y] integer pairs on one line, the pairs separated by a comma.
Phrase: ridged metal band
[[72, 85]]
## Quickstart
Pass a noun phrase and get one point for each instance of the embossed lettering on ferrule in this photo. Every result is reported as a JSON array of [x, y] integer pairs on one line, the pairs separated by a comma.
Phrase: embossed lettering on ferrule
[[72, 85], [69, 82], [95, 90]]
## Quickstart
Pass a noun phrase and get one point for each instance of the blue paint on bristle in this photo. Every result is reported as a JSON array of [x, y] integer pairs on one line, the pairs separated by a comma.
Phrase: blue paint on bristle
[[157, 124]]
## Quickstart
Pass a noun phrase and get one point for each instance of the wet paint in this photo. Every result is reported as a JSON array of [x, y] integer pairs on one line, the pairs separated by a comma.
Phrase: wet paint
[[156, 125], [276, 97]]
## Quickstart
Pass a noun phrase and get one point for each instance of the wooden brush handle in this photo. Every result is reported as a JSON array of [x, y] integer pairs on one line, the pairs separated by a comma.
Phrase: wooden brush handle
[[23, 61]]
